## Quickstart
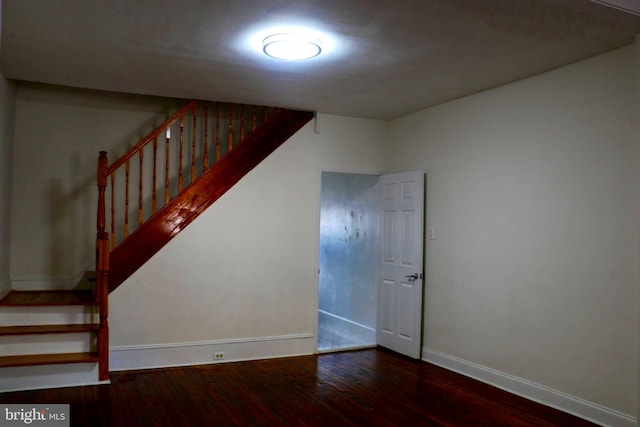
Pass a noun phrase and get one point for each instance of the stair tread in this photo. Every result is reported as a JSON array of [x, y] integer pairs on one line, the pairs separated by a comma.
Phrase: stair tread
[[47, 359], [48, 298], [47, 329]]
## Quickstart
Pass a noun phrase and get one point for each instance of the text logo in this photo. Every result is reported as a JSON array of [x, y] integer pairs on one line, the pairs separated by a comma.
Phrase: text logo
[[35, 415]]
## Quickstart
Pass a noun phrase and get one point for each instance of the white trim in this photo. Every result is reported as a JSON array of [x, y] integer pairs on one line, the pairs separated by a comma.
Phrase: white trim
[[530, 390], [41, 283], [347, 320], [204, 343], [353, 332], [28, 283], [5, 288], [346, 172], [316, 247], [351, 322], [123, 358], [354, 348], [629, 6]]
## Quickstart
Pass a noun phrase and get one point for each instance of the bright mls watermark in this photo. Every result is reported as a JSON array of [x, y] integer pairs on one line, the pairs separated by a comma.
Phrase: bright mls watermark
[[35, 415]]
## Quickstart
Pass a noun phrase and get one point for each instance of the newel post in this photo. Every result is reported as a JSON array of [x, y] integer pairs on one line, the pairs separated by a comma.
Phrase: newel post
[[102, 272]]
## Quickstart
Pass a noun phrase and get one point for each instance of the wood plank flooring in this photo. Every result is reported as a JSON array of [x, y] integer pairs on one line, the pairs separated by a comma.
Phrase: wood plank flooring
[[371, 387]]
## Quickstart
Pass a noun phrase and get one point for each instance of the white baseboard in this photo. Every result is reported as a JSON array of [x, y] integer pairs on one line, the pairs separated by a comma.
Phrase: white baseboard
[[46, 283], [530, 390], [124, 358], [5, 288], [41, 283]]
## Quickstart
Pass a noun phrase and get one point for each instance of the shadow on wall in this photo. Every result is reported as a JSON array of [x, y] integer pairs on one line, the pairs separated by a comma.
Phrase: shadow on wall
[[71, 218], [58, 218]]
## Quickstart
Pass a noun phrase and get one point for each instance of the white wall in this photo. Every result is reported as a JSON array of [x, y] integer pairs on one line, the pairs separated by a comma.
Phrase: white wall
[[532, 189], [58, 135], [7, 112], [245, 269], [533, 193], [7, 115], [637, 120]]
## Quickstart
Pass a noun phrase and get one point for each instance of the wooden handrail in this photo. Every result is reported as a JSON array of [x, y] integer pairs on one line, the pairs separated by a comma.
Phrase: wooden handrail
[[133, 150]]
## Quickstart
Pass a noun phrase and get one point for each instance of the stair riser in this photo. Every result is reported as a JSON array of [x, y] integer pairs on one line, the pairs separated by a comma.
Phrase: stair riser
[[45, 344], [45, 376], [54, 284], [61, 315], [5, 288]]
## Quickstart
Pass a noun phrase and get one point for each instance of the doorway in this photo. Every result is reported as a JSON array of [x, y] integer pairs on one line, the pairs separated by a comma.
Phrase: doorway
[[348, 258]]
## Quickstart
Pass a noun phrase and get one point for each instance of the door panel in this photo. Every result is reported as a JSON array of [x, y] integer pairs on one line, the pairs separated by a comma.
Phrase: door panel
[[405, 321], [386, 308], [401, 262], [407, 257], [388, 236]]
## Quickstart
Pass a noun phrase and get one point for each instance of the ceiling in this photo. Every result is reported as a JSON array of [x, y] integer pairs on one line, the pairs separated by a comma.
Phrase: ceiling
[[383, 59]]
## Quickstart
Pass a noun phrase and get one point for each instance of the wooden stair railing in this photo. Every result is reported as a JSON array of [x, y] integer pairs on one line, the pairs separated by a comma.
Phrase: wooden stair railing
[[242, 136]]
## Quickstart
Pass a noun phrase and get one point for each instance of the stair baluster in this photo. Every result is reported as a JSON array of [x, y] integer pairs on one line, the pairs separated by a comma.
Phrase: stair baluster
[[153, 187], [127, 167], [241, 122], [217, 132], [206, 138], [253, 119], [140, 158], [166, 166], [181, 151], [102, 272], [193, 147], [230, 137]]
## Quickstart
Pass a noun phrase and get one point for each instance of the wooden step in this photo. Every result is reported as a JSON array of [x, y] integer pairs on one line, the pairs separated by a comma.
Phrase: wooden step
[[47, 329], [47, 359], [47, 298]]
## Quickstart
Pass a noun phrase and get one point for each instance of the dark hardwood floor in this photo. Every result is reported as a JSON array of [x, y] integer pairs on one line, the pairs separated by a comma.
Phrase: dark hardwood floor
[[360, 388]]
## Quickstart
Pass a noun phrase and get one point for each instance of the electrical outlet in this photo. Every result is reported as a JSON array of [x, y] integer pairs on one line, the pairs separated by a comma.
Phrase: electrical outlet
[[218, 356]]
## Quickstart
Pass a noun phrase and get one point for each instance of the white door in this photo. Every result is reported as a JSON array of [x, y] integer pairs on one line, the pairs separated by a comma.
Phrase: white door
[[400, 278]]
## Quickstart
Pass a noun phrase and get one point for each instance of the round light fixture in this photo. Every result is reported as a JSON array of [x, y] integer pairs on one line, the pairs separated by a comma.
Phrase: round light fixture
[[291, 46]]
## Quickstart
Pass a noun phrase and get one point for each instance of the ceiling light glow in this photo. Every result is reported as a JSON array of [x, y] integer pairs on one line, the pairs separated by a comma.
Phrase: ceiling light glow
[[291, 46]]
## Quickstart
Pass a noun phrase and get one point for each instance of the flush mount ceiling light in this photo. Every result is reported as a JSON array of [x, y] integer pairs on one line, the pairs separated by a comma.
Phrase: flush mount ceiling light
[[291, 46]]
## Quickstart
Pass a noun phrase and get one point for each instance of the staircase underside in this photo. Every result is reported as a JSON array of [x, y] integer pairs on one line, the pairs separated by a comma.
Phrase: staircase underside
[[152, 235]]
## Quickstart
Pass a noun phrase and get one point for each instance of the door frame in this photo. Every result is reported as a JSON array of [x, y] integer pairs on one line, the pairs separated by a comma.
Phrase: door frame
[[316, 296]]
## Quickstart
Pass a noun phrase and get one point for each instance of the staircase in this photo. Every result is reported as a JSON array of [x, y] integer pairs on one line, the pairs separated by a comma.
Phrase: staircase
[[145, 198], [41, 329], [34, 299]]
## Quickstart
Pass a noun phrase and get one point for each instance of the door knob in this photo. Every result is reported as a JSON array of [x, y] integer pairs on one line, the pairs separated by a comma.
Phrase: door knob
[[413, 277]]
